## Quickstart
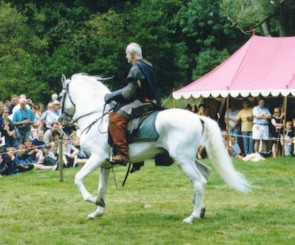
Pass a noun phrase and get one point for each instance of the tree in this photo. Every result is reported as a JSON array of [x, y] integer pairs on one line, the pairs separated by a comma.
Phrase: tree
[[18, 49], [208, 35], [270, 17]]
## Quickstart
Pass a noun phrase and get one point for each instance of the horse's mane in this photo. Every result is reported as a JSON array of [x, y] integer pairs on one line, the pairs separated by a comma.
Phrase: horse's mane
[[93, 85]]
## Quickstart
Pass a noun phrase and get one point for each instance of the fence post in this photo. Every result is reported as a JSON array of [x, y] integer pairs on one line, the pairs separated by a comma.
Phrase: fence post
[[60, 160]]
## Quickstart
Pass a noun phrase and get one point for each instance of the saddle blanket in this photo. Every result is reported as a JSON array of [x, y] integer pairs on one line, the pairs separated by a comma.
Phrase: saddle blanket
[[143, 129]]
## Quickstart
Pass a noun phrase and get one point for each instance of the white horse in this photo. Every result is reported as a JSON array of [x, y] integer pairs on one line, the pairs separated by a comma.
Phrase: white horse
[[181, 133]]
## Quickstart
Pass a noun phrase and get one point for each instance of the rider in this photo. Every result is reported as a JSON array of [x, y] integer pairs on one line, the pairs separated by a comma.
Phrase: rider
[[139, 96]]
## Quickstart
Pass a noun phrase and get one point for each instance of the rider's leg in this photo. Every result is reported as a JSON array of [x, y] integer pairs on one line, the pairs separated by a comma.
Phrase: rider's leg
[[117, 124]]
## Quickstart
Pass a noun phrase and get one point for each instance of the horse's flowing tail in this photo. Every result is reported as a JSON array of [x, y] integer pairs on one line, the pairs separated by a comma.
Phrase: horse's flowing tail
[[220, 158]]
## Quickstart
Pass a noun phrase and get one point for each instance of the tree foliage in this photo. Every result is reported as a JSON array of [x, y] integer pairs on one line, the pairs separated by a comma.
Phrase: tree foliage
[[41, 40]]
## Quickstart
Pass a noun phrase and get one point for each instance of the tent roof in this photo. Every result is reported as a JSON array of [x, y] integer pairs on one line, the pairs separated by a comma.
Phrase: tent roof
[[262, 66]]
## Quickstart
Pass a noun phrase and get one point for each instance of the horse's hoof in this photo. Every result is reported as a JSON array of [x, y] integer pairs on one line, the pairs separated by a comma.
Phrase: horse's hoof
[[94, 215], [188, 221], [203, 211]]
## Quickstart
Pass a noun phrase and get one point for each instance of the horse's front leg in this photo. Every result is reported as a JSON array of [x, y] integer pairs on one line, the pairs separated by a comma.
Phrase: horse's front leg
[[91, 164], [102, 189]]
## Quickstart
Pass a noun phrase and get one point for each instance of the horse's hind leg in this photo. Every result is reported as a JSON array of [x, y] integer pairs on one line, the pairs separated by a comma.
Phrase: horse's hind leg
[[199, 183]]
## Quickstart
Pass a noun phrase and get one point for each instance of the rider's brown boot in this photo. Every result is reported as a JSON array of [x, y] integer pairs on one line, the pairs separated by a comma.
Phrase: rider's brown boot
[[117, 126], [120, 160]]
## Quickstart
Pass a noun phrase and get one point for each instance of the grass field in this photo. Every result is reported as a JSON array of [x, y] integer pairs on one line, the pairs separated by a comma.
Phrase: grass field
[[36, 208]]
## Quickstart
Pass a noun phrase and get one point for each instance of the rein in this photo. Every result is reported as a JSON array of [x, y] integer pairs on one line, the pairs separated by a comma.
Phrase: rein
[[66, 93]]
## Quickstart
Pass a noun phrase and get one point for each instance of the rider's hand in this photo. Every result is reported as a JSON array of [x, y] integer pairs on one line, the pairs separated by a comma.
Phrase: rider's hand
[[107, 98]]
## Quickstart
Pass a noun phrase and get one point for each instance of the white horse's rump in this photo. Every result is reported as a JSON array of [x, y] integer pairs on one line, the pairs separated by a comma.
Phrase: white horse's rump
[[181, 133]]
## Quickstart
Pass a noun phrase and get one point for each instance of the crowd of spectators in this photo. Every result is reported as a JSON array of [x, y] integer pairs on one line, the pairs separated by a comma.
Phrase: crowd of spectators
[[30, 136], [249, 130]]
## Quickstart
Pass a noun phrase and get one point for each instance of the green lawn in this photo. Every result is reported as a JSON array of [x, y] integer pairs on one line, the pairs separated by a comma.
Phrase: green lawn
[[38, 209]]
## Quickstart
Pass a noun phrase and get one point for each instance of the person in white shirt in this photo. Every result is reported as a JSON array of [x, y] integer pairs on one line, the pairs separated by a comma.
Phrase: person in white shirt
[[261, 117], [49, 117]]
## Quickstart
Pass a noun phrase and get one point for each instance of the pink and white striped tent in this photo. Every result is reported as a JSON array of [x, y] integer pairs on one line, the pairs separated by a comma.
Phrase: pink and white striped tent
[[262, 66]]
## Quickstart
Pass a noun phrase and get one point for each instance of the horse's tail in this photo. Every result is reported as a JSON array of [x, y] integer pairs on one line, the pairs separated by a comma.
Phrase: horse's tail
[[220, 158]]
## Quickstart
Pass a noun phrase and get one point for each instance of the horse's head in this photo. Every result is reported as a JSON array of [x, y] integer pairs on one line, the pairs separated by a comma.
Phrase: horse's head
[[68, 108]]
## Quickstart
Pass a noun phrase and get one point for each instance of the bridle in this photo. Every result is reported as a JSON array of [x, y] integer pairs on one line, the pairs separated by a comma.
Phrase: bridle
[[63, 95]]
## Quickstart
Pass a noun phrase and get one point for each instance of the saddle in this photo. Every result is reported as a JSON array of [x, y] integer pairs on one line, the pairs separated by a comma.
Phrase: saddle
[[142, 129]]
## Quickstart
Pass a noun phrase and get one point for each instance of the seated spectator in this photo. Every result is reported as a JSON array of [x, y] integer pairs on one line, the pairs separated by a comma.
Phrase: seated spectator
[[227, 142], [287, 139], [70, 153], [8, 166], [82, 156], [55, 142], [48, 133], [236, 150], [48, 158], [23, 160], [32, 151], [38, 141], [8, 132]]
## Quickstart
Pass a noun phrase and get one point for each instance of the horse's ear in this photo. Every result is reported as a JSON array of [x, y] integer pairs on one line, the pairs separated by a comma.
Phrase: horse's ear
[[63, 80]]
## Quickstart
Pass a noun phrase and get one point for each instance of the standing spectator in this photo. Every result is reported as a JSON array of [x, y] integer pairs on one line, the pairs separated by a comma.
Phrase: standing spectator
[[14, 99], [188, 107], [18, 106], [38, 124], [245, 115], [54, 97], [208, 111], [287, 139], [57, 108], [194, 109], [276, 128], [201, 151], [49, 117], [23, 118], [201, 110], [41, 108], [232, 124], [260, 130], [7, 103]]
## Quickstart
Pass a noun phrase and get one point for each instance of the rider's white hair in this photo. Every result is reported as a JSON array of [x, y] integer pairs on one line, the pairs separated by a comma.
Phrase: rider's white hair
[[135, 49]]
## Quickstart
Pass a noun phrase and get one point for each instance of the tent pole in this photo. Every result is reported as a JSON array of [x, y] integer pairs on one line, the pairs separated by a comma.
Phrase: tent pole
[[284, 122]]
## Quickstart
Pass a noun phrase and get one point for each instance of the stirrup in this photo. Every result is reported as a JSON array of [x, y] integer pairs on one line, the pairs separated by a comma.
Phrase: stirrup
[[122, 161]]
